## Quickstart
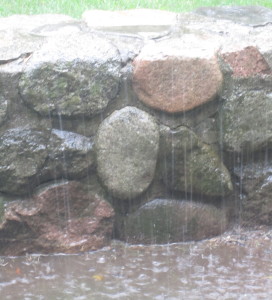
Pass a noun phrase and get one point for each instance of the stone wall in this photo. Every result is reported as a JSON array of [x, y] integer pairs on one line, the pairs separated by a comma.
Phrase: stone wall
[[152, 132]]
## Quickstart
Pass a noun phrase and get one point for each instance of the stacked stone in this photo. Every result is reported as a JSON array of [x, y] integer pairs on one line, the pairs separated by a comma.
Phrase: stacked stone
[[149, 122]]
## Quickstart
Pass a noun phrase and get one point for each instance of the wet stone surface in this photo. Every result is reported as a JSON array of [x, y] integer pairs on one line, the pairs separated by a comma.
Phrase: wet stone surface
[[245, 15], [135, 116], [22, 156], [127, 146], [189, 165], [60, 217], [247, 62], [246, 112], [70, 155], [255, 181], [177, 75], [3, 109], [162, 221], [71, 77]]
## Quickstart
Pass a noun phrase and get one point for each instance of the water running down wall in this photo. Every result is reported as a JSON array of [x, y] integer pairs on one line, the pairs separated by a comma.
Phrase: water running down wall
[[155, 136]]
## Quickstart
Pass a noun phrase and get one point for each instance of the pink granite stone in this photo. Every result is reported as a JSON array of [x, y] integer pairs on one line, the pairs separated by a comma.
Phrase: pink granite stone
[[60, 218], [177, 75], [247, 62]]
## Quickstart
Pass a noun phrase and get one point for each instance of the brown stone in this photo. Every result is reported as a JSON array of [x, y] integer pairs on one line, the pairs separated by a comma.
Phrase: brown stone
[[59, 218], [247, 62], [177, 75]]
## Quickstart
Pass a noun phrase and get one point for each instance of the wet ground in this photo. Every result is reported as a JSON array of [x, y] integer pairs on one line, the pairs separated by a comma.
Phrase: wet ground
[[236, 265]]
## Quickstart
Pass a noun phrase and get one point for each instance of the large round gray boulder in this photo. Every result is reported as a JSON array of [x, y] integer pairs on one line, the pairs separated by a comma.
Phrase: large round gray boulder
[[71, 75], [70, 155], [246, 114], [22, 155], [162, 221], [189, 165], [126, 147]]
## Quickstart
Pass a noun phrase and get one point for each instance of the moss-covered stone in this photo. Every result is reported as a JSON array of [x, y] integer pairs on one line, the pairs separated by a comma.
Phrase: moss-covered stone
[[189, 165], [71, 77], [246, 114], [207, 172]]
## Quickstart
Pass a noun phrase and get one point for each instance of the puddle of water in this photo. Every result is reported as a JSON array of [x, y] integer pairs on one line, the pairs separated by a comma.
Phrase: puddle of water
[[230, 267]]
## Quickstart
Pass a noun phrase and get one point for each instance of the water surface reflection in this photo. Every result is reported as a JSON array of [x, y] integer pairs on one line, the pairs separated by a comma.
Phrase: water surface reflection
[[236, 266]]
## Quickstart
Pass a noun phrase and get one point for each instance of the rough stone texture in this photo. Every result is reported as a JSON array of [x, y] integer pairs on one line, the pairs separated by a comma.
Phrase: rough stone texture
[[129, 46], [3, 109], [255, 180], [177, 75], [187, 164], [15, 44], [245, 15], [210, 26], [246, 114], [230, 36], [207, 130], [13, 113], [253, 170], [166, 221], [18, 115], [247, 62], [70, 155], [24, 34], [22, 155], [263, 42], [2, 208], [126, 147], [20, 36], [15, 49], [257, 207], [60, 218], [191, 119], [71, 75], [9, 78], [55, 72]]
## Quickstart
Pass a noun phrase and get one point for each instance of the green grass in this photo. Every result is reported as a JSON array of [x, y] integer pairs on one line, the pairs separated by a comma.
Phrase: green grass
[[75, 8]]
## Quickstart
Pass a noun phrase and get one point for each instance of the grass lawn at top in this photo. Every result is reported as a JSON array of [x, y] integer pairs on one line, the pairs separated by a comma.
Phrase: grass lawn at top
[[75, 8]]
